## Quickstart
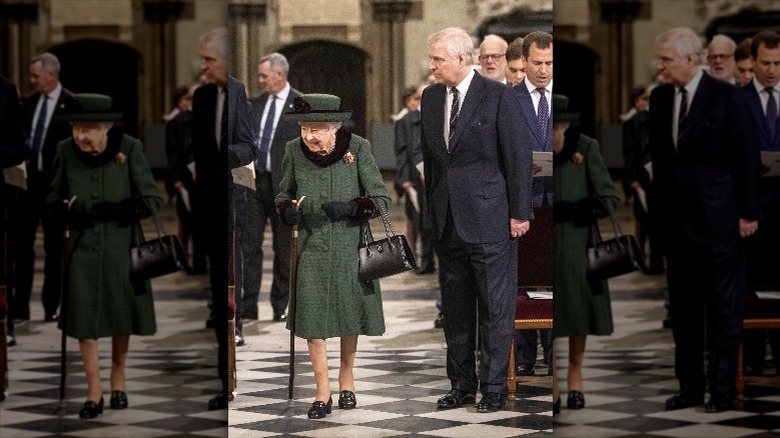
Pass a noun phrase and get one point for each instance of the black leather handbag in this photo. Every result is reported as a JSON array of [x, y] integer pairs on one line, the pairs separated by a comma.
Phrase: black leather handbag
[[386, 257], [613, 257], [155, 258]]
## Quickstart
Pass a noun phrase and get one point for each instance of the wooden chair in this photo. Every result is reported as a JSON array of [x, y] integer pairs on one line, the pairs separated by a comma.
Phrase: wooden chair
[[535, 272], [759, 315]]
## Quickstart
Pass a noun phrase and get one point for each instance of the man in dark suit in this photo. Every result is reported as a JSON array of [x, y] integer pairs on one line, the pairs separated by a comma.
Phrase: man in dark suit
[[274, 132], [44, 132], [535, 92], [762, 94], [13, 151], [477, 167], [222, 139], [705, 168]]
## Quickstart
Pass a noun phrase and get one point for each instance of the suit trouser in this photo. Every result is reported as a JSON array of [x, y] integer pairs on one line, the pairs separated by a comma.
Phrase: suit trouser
[[261, 209], [477, 281], [706, 279], [34, 210], [526, 345]]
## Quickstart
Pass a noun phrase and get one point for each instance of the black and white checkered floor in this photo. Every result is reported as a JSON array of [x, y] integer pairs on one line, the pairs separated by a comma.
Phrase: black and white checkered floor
[[628, 376], [396, 392]]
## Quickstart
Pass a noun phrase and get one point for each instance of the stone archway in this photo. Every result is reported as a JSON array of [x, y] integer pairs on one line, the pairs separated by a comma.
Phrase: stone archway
[[327, 67], [99, 66]]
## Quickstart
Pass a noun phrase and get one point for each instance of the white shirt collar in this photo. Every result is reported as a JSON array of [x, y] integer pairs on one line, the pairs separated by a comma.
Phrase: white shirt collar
[[531, 87], [692, 85], [760, 88], [282, 95], [55, 93], [463, 86]]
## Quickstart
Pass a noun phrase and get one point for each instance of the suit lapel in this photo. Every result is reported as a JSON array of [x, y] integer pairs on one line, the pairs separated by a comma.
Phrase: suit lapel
[[697, 106], [527, 106], [754, 103], [470, 104]]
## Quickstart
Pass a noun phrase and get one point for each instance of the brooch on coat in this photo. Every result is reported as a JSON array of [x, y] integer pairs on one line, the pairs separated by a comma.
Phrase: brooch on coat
[[348, 157], [577, 158], [120, 158]]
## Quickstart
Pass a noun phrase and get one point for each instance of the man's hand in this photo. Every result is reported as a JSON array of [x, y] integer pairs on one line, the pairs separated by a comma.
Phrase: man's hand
[[747, 227], [517, 227]]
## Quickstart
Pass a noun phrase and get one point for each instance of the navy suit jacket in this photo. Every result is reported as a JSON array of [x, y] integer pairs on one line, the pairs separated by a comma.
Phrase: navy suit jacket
[[759, 119], [56, 132], [286, 130], [485, 178], [711, 179], [542, 185]]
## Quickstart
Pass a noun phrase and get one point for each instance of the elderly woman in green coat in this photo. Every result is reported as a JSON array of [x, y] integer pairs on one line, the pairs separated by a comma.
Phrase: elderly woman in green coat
[[340, 180], [582, 189], [110, 184]]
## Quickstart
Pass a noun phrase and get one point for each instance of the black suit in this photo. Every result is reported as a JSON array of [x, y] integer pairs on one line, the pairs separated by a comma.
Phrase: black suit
[[261, 210], [473, 190], [212, 172], [12, 152], [707, 182], [34, 209]]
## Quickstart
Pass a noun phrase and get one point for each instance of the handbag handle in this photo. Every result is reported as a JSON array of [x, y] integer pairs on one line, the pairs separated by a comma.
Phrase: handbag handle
[[389, 230], [138, 232], [615, 228]]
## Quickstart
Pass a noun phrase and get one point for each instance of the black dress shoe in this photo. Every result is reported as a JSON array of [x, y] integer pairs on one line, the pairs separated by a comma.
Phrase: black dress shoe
[[210, 323], [684, 399], [439, 323], [91, 409], [455, 399], [319, 409], [426, 270], [118, 400], [220, 401], [50, 317], [10, 340], [347, 400], [491, 402], [525, 369], [279, 317], [575, 400], [719, 403], [557, 406], [239, 340]]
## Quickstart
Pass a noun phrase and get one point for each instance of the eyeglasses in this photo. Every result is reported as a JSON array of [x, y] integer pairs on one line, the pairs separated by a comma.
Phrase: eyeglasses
[[495, 58], [719, 57]]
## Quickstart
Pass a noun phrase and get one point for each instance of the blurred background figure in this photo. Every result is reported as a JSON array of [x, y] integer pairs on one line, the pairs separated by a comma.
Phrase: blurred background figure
[[515, 63], [720, 57], [492, 58], [743, 72]]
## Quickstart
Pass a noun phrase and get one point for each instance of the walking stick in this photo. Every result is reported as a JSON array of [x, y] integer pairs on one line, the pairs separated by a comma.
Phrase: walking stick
[[232, 304], [293, 298], [64, 297]]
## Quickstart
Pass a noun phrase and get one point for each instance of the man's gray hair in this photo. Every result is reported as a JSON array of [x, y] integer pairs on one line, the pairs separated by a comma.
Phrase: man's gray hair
[[277, 62], [216, 37], [49, 62], [457, 42], [724, 39], [684, 40], [497, 39]]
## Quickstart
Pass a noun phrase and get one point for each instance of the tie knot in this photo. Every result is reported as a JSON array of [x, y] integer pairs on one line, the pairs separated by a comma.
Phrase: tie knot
[[541, 91], [683, 91], [454, 91], [769, 90]]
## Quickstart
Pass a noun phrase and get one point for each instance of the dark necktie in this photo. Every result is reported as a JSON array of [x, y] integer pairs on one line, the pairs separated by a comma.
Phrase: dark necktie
[[771, 114], [40, 125], [265, 139], [453, 113], [683, 115], [543, 113]]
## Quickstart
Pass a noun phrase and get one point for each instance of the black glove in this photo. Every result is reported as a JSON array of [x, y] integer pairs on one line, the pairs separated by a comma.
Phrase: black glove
[[288, 213], [591, 209], [124, 212], [135, 208], [340, 210]]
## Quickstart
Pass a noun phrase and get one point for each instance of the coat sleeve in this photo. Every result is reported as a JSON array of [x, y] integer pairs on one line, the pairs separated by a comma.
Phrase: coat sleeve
[[243, 141], [59, 184], [141, 175], [597, 173], [515, 149], [401, 155], [288, 187], [370, 177], [12, 147]]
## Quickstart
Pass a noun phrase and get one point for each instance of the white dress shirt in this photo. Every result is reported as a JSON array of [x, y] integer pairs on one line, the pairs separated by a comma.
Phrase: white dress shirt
[[463, 88], [281, 98]]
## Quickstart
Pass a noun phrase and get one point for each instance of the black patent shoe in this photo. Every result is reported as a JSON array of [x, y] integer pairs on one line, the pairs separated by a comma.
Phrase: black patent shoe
[[91, 409], [719, 403], [347, 400], [684, 399], [455, 399], [491, 402], [118, 400], [575, 400], [319, 409]]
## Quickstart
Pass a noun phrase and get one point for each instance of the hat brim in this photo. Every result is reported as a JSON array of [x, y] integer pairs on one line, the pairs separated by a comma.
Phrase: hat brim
[[565, 117], [323, 117], [89, 117]]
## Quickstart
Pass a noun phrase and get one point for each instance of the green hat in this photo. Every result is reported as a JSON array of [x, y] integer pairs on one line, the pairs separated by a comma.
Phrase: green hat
[[89, 108], [560, 107], [318, 108]]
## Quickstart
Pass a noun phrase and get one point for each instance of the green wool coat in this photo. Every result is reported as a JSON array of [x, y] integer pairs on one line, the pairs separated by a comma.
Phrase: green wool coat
[[101, 299], [330, 300], [577, 310]]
